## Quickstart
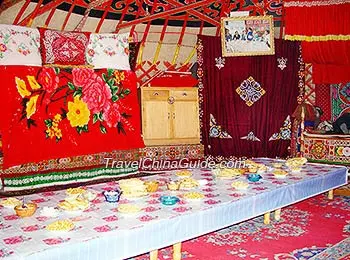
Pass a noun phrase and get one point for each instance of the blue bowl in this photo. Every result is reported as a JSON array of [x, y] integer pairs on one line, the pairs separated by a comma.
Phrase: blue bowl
[[254, 177], [112, 196], [169, 200]]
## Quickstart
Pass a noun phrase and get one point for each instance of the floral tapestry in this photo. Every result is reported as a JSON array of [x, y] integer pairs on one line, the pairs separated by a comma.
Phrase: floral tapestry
[[54, 113]]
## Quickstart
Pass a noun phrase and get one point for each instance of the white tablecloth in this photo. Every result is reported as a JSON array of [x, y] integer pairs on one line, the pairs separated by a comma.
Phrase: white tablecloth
[[101, 232]]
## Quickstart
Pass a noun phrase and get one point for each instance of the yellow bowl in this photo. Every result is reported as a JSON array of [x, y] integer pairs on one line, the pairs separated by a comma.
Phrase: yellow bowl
[[26, 211], [173, 185], [152, 186]]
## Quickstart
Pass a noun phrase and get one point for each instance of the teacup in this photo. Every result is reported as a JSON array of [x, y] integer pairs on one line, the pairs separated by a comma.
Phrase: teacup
[[112, 196], [254, 177]]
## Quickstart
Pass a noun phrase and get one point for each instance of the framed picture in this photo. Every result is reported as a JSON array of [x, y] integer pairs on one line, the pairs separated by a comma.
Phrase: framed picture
[[247, 36]]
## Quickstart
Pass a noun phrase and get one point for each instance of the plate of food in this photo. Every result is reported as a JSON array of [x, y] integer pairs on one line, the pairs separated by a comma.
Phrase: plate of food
[[188, 184], [77, 205], [240, 185], [193, 196], [10, 203], [281, 174], [75, 191], [129, 209], [228, 173], [61, 226], [184, 174]]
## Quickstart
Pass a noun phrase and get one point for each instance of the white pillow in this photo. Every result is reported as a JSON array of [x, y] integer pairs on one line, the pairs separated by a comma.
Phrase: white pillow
[[19, 45], [108, 50]]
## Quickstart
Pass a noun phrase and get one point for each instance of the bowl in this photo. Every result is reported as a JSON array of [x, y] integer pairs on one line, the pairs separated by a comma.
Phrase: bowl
[[169, 200], [112, 196], [25, 210], [173, 185], [152, 186], [254, 177], [277, 165]]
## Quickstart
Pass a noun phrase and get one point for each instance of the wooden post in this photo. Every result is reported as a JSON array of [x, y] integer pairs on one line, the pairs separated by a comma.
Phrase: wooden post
[[153, 255], [177, 251], [331, 194], [277, 214], [267, 218]]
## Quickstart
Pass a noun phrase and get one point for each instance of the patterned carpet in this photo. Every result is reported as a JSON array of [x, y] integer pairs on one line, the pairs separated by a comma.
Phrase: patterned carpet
[[316, 228]]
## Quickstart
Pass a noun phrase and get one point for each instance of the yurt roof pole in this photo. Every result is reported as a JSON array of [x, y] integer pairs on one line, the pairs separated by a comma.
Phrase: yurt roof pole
[[167, 13], [20, 13], [48, 19], [125, 10], [156, 54], [68, 15], [196, 13], [177, 50], [41, 10]]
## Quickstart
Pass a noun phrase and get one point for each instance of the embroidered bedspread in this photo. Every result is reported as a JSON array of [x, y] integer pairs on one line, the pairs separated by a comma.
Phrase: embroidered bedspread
[[50, 112]]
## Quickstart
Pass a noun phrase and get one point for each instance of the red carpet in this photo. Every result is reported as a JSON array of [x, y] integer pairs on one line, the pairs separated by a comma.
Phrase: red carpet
[[305, 230]]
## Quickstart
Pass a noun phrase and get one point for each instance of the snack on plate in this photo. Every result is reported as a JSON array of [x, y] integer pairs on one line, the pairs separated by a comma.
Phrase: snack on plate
[[152, 186], [75, 191], [184, 173], [60, 225], [128, 208], [240, 185], [10, 202], [228, 173], [90, 195], [296, 162], [277, 165], [133, 188], [193, 196], [280, 173], [188, 183], [74, 204]]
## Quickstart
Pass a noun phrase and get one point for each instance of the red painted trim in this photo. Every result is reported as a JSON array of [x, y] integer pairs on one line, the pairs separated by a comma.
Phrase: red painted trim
[[68, 15], [20, 13], [167, 13], [42, 10]]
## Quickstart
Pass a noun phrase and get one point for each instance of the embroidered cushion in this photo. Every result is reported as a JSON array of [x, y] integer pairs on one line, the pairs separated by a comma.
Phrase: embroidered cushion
[[109, 51], [63, 48], [19, 45]]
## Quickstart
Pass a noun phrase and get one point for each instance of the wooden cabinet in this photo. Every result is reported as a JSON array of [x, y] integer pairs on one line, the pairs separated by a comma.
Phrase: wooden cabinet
[[170, 115]]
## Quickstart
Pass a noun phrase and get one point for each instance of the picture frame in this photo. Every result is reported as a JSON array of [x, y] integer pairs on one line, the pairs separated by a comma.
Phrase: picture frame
[[247, 36]]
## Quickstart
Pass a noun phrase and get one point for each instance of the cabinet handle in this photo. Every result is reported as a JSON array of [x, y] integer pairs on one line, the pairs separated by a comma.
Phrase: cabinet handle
[[171, 100], [184, 94], [173, 115], [155, 94], [168, 115]]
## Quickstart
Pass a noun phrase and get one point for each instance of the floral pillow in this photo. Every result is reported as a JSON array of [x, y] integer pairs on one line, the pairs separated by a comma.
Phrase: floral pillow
[[19, 45], [63, 48], [109, 51]]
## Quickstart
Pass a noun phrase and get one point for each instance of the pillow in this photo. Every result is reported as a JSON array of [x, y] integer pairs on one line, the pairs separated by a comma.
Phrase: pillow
[[108, 51], [63, 48], [19, 45]]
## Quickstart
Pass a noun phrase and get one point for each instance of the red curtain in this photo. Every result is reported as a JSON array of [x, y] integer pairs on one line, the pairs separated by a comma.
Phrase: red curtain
[[316, 18], [330, 61], [265, 117]]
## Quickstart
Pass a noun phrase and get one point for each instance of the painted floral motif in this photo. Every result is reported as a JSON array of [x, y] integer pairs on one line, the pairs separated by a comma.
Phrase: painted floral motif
[[251, 137], [250, 91], [319, 150], [235, 235], [85, 97], [216, 130], [285, 131]]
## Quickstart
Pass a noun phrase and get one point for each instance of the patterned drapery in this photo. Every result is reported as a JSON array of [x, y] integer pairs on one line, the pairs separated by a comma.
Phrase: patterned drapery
[[250, 99]]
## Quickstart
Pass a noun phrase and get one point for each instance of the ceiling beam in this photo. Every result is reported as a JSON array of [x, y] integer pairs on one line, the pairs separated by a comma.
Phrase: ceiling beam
[[196, 13], [167, 13], [41, 10]]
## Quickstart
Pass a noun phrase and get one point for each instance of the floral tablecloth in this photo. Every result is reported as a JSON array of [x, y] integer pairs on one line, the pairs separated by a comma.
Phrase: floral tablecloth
[[101, 232]]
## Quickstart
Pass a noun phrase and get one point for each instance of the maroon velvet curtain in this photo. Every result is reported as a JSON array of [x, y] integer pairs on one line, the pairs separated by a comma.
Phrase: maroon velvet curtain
[[233, 117]]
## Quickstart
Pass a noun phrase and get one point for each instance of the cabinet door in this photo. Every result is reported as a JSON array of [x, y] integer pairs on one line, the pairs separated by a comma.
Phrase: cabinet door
[[155, 119], [185, 122]]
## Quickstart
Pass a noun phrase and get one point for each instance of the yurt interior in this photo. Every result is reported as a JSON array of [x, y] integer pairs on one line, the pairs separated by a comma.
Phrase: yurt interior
[[179, 129]]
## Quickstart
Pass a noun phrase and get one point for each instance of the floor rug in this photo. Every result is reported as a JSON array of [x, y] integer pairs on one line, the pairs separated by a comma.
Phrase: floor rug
[[305, 230]]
